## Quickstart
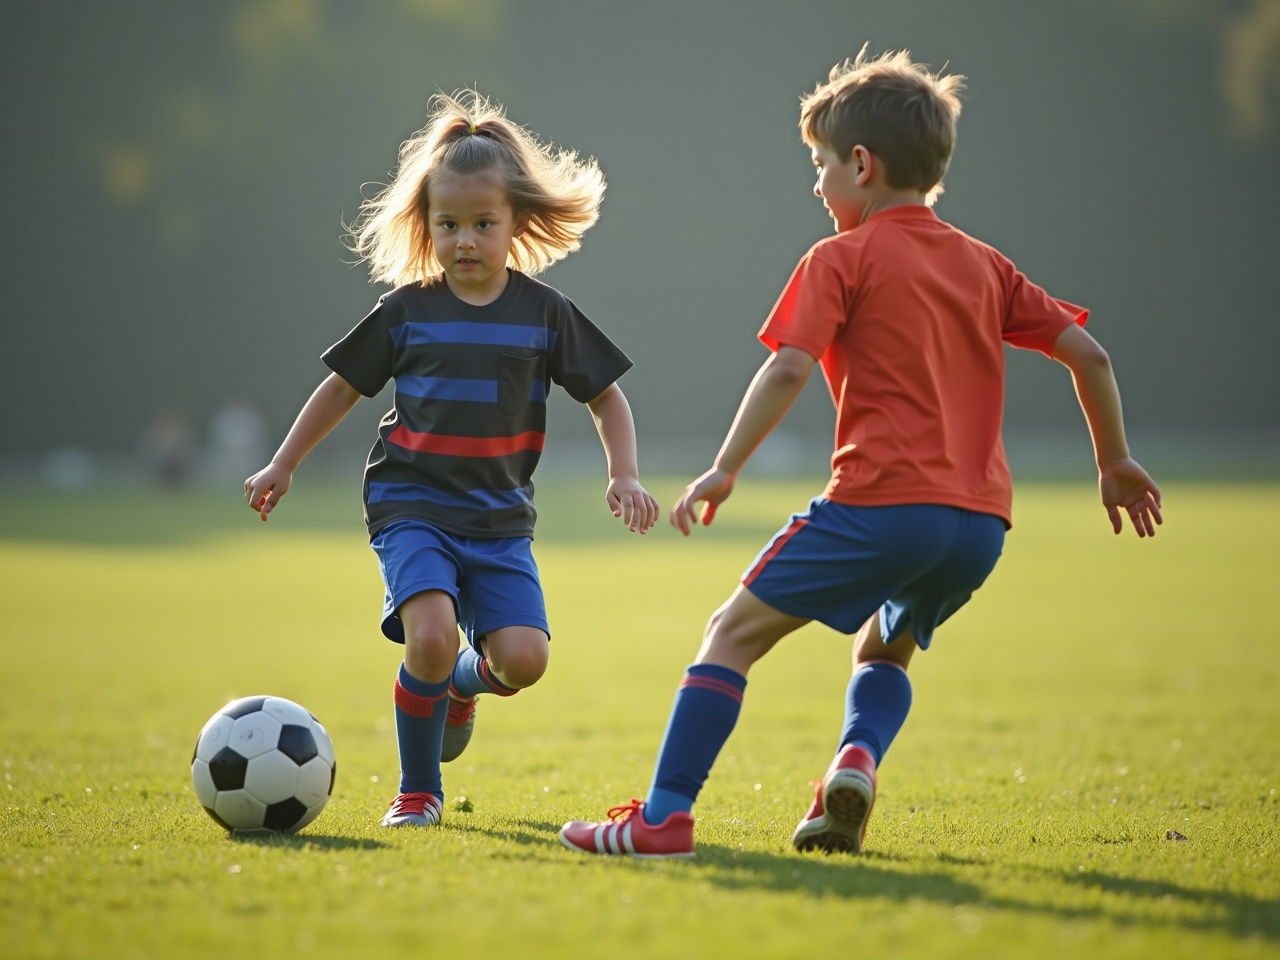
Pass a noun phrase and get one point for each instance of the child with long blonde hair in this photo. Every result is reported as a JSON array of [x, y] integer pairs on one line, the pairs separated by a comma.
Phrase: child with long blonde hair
[[477, 206]]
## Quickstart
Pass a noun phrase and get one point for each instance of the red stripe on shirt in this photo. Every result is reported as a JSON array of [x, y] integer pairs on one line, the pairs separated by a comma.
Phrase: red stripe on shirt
[[796, 526], [466, 446]]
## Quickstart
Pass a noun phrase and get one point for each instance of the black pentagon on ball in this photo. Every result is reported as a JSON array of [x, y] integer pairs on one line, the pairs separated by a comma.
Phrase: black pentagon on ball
[[242, 708], [227, 768], [333, 775], [283, 815], [297, 743]]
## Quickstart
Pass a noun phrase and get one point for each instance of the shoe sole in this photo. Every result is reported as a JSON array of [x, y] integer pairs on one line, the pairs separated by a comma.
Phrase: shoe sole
[[455, 741], [409, 821], [847, 798]]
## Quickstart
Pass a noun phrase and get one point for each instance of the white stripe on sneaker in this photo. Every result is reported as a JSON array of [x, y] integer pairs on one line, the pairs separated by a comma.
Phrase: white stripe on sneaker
[[626, 837]]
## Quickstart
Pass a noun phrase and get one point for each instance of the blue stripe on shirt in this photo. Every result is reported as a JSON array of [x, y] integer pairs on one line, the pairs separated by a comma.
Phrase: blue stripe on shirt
[[450, 388], [461, 499], [462, 331]]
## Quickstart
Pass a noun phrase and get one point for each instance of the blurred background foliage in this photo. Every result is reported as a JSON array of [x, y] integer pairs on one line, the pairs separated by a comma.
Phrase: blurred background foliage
[[180, 174]]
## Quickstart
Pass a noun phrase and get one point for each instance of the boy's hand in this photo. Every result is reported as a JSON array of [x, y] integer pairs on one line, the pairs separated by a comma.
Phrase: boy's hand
[[265, 488], [712, 488], [630, 501], [1125, 485]]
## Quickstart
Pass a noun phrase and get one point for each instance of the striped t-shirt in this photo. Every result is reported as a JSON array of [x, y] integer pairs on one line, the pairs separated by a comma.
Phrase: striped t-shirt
[[460, 444]]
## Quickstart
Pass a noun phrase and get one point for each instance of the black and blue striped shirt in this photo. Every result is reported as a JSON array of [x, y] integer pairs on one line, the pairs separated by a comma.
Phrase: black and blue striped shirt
[[460, 444]]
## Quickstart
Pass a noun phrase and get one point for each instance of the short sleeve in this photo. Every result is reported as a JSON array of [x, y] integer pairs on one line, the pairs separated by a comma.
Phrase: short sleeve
[[583, 360], [811, 311], [1033, 320], [363, 356]]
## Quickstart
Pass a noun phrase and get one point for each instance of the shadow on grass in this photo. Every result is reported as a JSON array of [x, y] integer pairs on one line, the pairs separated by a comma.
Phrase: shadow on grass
[[305, 841], [1236, 913], [1128, 902]]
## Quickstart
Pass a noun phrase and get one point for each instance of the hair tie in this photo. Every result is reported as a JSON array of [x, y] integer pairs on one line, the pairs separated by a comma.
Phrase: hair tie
[[471, 129]]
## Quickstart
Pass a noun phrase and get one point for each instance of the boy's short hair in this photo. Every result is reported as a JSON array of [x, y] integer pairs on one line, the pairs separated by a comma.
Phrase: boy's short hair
[[895, 108]]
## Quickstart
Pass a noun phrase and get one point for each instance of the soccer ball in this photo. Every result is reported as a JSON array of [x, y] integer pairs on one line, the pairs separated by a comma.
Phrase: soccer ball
[[263, 763]]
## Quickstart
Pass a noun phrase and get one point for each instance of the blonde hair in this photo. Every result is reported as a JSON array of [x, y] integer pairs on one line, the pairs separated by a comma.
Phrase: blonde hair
[[554, 194], [895, 108]]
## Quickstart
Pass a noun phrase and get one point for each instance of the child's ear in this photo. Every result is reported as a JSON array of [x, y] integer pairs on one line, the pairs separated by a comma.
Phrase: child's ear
[[522, 223], [862, 160]]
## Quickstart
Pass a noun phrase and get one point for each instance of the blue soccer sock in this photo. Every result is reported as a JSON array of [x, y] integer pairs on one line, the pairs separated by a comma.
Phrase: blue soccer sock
[[876, 705], [420, 713], [704, 714], [471, 675]]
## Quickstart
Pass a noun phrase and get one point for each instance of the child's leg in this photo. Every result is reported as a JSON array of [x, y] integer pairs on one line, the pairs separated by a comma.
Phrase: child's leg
[[878, 697], [709, 698], [430, 649], [513, 658]]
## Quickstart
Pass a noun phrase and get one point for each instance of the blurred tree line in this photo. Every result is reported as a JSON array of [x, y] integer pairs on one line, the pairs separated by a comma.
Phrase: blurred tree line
[[180, 172]]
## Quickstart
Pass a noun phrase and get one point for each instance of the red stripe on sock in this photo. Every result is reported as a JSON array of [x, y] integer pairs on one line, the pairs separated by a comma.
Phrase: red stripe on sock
[[796, 526], [716, 686], [493, 684], [414, 705]]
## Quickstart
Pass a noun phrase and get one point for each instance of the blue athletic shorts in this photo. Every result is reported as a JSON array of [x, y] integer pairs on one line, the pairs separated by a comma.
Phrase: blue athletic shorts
[[917, 564], [494, 583]]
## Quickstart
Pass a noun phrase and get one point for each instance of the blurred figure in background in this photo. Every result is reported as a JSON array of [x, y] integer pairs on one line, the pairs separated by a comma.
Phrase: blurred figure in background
[[169, 448], [237, 442]]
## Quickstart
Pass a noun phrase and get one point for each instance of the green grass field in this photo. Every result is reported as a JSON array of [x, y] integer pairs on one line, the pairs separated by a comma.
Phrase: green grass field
[[1096, 694]]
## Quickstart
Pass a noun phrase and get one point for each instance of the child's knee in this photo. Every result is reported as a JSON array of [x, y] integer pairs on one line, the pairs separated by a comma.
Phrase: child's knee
[[734, 633], [518, 658], [430, 650]]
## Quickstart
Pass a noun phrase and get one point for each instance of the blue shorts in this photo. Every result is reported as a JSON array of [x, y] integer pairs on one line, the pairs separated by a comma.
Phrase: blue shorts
[[494, 583], [916, 564]]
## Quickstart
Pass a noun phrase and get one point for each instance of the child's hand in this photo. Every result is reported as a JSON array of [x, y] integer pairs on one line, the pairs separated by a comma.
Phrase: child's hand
[[265, 488], [630, 501], [712, 488], [1124, 484]]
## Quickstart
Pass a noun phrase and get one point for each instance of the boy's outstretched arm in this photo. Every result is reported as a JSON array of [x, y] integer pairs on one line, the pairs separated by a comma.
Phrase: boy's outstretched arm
[[1123, 483], [772, 392], [330, 402], [625, 496]]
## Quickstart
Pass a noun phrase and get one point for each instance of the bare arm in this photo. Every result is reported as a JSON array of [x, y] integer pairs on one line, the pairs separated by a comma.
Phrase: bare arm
[[625, 496], [330, 402], [1122, 482], [773, 390]]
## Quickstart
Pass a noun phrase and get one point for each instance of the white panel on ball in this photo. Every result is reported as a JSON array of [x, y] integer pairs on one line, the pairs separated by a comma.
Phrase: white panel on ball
[[254, 734], [272, 777], [286, 711]]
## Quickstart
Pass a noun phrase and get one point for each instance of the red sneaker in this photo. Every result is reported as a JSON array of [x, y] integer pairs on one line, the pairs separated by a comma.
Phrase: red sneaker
[[459, 723], [413, 810], [842, 802], [626, 833]]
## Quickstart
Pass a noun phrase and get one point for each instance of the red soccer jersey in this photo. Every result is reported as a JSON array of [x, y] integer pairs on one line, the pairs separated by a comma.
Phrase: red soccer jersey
[[908, 316]]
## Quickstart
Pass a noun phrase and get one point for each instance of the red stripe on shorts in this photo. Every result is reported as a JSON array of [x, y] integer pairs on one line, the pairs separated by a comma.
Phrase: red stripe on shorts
[[414, 705], [797, 525]]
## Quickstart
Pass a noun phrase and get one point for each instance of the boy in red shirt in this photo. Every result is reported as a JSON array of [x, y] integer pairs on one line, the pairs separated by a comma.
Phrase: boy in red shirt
[[907, 318]]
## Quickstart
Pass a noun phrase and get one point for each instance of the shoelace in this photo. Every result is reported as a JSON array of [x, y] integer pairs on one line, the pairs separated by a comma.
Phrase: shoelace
[[623, 812], [460, 711], [413, 803]]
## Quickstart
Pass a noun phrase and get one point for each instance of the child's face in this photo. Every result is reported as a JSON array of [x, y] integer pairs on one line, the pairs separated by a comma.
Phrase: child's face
[[472, 226], [841, 186]]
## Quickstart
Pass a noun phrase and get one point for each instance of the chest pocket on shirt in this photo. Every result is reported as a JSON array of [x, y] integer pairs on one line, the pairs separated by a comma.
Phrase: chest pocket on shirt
[[515, 380]]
